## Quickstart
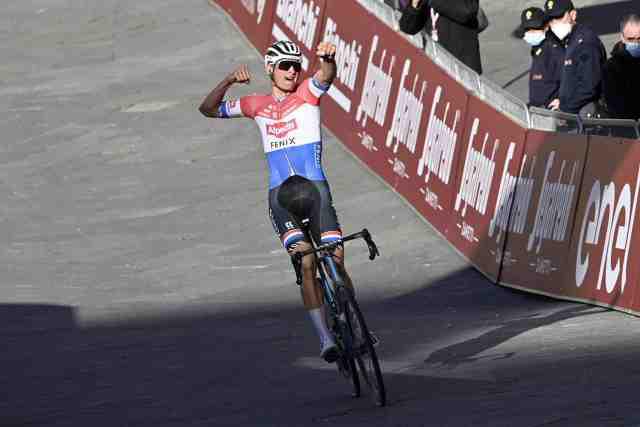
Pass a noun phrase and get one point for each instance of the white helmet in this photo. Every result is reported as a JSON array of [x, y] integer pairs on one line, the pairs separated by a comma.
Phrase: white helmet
[[283, 50]]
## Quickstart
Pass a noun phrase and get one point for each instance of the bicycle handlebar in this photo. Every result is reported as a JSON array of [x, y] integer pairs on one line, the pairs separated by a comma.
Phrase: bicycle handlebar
[[364, 234], [330, 247]]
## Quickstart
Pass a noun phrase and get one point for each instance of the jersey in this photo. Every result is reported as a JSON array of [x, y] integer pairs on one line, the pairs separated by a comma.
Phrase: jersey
[[547, 61], [584, 61], [290, 130]]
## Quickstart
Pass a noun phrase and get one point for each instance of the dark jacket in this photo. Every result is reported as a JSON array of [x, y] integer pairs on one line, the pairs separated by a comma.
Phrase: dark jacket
[[546, 71], [584, 62], [622, 84], [457, 27]]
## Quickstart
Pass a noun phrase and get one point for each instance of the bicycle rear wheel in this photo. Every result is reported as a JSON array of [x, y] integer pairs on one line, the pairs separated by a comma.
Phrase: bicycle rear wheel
[[347, 366], [346, 363], [364, 352]]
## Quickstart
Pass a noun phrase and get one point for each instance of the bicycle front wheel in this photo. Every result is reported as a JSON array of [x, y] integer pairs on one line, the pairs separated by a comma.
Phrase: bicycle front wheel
[[364, 352]]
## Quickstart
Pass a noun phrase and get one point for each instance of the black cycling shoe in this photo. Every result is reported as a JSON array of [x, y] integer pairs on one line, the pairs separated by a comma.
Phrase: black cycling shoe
[[330, 354]]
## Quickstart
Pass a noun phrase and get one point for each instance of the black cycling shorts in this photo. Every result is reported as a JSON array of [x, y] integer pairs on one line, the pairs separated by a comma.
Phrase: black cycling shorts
[[323, 221]]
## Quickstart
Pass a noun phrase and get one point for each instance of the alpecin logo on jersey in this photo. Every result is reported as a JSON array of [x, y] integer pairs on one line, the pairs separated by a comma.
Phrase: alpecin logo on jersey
[[281, 129]]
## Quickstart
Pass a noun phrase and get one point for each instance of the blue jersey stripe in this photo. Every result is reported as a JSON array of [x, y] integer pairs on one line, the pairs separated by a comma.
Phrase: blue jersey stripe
[[222, 110], [304, 160], [319, 85]]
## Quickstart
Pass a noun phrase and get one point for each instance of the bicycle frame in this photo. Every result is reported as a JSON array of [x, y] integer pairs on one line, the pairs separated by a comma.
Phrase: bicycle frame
[[324, 258], [344, 313], [329, 284], [326, 252]]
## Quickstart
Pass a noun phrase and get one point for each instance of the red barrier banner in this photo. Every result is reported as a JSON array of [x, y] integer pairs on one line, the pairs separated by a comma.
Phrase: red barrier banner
[[300, 21], [487, 173], [254, 17], [544, 206], [394, 109], [510, 206], [603, 260]]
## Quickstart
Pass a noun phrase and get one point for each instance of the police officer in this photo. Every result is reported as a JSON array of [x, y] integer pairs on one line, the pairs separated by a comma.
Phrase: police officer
[[581, 83], [547, 57]]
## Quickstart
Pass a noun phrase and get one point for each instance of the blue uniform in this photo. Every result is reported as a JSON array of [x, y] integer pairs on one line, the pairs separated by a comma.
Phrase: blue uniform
[[546, 71], [584, 60]]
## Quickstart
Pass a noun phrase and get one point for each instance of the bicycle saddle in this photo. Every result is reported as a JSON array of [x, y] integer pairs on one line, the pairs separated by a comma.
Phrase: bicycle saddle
[[298, 196]]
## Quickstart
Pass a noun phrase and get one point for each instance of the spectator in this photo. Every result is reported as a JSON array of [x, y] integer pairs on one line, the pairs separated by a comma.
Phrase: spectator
[[547, 57], [622, 72], [585, 56], [453, 24]]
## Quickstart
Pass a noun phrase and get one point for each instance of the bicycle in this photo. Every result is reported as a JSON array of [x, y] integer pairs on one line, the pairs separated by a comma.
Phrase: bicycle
[[346, 322]]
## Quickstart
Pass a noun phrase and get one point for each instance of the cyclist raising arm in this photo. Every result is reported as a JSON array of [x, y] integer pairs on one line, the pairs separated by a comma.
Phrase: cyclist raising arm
[[290, 125]]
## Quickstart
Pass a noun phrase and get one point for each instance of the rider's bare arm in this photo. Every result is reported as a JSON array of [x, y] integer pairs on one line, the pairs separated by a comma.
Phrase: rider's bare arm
[[210, 105], [327, 72]]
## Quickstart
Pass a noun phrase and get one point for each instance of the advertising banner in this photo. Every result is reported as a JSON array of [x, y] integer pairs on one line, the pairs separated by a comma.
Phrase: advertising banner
[[543, 211], [492, 148], [549, 212], [394, 109], [605, 244], [254, 17], [300, 21]]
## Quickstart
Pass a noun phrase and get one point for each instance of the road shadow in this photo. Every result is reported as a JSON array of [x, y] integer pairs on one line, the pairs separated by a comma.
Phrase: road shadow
[[469, 351], [259, 367]]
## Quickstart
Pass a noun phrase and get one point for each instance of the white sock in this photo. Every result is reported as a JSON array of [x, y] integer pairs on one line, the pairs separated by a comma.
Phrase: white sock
[[319, 324]]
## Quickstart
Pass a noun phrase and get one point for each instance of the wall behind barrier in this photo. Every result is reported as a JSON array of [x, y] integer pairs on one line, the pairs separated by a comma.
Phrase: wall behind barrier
[[545, 212]]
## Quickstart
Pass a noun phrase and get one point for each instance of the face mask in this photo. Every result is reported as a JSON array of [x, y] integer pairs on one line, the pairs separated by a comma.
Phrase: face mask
[[561, 30], [633, 48], [534, 38]]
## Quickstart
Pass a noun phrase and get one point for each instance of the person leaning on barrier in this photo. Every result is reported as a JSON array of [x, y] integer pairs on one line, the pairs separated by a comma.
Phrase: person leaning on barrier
[[622, 72], [453, 24], [581, 83], [547, 57]]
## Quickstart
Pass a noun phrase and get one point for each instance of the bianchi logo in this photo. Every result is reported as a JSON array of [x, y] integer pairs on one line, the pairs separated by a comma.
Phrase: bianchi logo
[[281, 129]]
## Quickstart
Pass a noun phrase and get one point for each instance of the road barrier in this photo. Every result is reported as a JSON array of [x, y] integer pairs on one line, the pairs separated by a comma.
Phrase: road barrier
[[535, 200]]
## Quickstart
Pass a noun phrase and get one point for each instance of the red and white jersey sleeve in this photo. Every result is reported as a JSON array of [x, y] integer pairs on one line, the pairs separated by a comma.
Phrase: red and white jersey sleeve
[[246, 106]]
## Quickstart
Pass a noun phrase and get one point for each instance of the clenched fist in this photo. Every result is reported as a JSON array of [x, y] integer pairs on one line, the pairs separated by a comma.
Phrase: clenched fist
[[326, 50], [240, 75]]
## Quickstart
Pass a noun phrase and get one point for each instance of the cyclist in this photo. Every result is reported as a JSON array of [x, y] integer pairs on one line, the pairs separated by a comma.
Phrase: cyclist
[[289, 122]]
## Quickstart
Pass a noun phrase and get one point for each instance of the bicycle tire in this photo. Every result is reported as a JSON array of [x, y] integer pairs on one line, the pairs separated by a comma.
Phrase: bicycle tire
[[346, 364], [366, 356], [349, 363]]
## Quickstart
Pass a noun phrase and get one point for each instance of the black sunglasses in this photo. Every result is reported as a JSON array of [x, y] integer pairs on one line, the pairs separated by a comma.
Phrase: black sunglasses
[[286, 65]]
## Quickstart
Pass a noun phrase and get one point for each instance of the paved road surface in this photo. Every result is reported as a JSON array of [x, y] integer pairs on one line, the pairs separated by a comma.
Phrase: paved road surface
[[142, 285]]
